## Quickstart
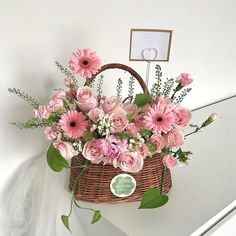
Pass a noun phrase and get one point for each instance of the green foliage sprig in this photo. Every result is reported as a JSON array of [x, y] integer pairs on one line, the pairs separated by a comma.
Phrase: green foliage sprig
[[33, 102], [182, 156], [119, 88], [180, 98], [167, 87], [131, 89], [99, 86], [156, 88], [65, 71], [31, 124], [92, 84]]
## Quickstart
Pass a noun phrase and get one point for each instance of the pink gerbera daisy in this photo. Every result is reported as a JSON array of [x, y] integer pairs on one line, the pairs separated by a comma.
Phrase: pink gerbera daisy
[[85, 63], [159, 118], [73, 124]]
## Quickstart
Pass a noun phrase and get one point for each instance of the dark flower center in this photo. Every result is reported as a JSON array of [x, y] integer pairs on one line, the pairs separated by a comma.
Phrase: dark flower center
[[85, 62], [159, 119], [72, 124]]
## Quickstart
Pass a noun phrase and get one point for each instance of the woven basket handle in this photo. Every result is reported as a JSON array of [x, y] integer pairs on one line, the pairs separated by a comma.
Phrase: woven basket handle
[[122, 67]]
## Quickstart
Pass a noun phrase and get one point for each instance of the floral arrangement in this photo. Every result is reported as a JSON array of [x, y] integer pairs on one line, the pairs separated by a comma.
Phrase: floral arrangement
[[109, 131]]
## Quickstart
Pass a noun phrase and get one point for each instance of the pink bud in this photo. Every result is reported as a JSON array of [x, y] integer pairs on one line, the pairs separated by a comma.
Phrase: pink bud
[[169, 161]]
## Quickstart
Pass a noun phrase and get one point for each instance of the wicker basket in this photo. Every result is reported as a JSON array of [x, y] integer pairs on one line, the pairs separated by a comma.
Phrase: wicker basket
[[94, 184]]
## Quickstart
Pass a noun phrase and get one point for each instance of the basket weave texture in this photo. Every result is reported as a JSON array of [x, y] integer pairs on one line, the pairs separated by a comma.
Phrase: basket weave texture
[[94, 184]]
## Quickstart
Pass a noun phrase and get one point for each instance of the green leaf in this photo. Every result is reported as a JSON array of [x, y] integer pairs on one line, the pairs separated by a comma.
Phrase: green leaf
[[55, 160], [152, 147], [88, 135], [153, 199], [142, 99], [123, 135], [96, 216], [65, 220], [65, 104], [179, 87], [129, 117], [145, 133]]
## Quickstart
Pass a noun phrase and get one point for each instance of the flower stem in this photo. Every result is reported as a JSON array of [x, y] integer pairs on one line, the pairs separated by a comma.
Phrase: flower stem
[[178, 87], [75, 167], [84, 208], [195, 131], [85, 166], [163, 178], [78, 177]]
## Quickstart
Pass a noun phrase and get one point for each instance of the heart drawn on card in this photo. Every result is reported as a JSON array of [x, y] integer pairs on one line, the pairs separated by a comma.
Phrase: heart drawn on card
[[149, 54]]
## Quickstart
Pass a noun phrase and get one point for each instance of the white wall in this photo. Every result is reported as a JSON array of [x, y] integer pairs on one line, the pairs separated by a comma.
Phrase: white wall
[[33, 34]]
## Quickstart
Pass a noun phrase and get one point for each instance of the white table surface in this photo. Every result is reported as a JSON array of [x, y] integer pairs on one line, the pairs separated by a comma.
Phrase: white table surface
[[199, 190]]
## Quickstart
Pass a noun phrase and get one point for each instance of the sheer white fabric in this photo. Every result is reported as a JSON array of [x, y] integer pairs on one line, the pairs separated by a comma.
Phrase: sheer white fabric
[[37, 200], [40, 196]]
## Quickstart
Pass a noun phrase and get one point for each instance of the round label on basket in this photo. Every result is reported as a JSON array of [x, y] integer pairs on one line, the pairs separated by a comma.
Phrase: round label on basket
[[123, 185]]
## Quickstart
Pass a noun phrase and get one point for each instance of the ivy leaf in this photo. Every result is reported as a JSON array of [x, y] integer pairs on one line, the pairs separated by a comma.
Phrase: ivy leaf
[[96, 216], [142, 99], [65, 220], [55, 160], [153, 199]]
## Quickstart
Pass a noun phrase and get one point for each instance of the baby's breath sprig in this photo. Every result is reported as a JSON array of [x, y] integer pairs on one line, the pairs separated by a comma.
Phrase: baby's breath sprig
[[119, 88], [180, 98], [34, 103], [102, 126], [136, 141], [78, 147]]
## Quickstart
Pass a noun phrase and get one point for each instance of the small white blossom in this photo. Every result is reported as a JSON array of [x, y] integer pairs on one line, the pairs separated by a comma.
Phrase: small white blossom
[[132, 141]]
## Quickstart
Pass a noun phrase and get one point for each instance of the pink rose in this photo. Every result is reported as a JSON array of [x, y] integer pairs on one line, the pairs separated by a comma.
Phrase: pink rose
[[140, 121], [65, 148], [143, 150], [92, 151], [58, 95], [95, 114], [163, 101], [159, 140], [42, 112], [118, 120], [174, 138], [132, 129], [86, 99], [56, 101], [129, 162], [169, 161], [145, 108], [131, 108], [51, 134], [184, 79], [109, 104], [182, 116]]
